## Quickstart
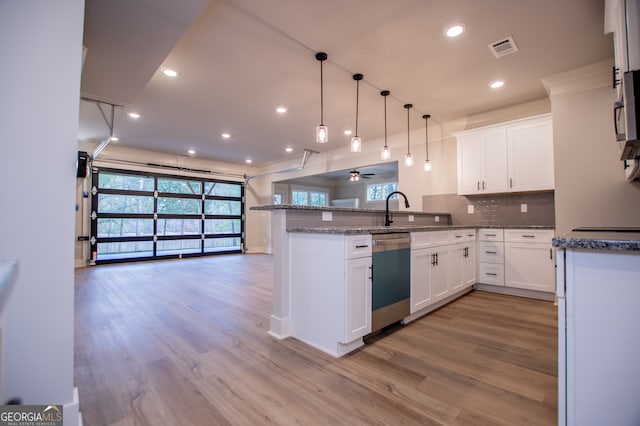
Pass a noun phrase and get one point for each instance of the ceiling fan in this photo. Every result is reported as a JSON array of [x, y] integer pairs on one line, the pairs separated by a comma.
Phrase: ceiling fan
[[355, 175]]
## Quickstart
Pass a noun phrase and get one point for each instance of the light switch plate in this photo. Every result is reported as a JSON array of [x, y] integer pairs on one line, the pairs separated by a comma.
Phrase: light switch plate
[[411, 218], [437, 218], [327, 216], [523, 208], [470, 209]]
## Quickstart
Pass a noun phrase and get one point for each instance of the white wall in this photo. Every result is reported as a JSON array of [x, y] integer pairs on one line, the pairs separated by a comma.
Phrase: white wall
[[41, 51], [590, 186]]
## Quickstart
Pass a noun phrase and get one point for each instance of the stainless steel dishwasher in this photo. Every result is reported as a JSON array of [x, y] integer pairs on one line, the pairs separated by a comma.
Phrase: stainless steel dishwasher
[[391, 278]]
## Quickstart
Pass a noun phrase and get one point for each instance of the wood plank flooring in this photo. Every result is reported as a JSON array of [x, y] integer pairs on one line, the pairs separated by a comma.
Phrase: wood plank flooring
[[185, 343]]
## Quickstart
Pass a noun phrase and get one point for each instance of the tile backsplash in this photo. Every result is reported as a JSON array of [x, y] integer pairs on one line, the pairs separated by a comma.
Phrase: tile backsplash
[[495, 209]]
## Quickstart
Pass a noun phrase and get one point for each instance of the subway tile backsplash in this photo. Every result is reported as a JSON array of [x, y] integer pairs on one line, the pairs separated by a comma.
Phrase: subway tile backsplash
[[495, 209]]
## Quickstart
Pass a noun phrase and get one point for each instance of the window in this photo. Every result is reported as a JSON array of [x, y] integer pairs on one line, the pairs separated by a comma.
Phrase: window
[[309, 198], [277, 198], [380, 191], [145, 216]]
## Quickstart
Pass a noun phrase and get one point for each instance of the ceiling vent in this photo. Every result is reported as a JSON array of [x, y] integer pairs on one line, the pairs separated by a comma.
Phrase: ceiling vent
[[503, 47]]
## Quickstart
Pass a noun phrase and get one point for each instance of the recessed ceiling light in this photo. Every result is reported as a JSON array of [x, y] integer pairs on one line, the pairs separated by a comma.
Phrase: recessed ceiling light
[[289, 149], [248, 161], [281, 110], [496, 84], [169, 72], [133, 115], [348, 132], [192, 151], [226, 135], [454, 30]]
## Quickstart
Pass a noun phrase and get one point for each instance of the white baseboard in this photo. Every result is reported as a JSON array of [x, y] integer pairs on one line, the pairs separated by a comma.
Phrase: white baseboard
[[414, 316], [511, 291], [71, 411], [279, 327], [261, 250]]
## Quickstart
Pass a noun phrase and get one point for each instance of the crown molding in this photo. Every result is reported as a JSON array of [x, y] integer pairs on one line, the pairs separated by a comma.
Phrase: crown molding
[[578, 80]]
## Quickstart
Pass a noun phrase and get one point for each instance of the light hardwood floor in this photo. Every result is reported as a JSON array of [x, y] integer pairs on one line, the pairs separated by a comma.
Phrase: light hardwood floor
[[185, 343]]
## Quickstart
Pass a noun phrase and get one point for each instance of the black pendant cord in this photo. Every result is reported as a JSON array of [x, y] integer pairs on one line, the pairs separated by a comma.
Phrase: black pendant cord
[[321, 96], [408, 107], [426, 133], [357, 103], [385, 121]]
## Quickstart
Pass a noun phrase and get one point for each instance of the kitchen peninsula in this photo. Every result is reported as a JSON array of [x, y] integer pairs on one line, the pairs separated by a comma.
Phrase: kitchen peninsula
[[323, 266]]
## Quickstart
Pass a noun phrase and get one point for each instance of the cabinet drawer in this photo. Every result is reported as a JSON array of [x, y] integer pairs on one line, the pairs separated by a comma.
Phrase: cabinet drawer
[[428, 239], [541, 236], [491, 235], [491, 252], [357, 246], [462, 236], [491, 273]]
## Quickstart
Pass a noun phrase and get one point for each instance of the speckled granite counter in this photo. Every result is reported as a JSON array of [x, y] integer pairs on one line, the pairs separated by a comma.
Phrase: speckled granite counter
[[351, 230], [598, 240], [341, 209], [8, 272]]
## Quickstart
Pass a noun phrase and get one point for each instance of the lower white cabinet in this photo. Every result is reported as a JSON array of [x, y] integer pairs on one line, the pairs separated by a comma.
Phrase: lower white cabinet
[[529, 260], [330, 276], [463, 266], [441, 265]]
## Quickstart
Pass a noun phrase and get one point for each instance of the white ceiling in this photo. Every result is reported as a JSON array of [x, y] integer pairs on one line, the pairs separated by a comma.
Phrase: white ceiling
[[240, 59]]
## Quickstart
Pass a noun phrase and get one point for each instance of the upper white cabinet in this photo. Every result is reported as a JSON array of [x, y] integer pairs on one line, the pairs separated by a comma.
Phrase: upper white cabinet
[[482, 156], [510, 157]]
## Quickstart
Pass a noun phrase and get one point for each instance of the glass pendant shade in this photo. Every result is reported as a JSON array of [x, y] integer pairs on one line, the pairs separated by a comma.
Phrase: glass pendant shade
[[322, 134], [408, 160], [356, 144], [427, 166], [386, 153], [427, 163]]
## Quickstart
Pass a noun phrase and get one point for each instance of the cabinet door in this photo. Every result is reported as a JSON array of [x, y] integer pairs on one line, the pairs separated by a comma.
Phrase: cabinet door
[[357, 298], [469, 266], [470, 163], [440, 273], [530, 266], [421, 296], [530, 149], [496, 172], [457, 262]]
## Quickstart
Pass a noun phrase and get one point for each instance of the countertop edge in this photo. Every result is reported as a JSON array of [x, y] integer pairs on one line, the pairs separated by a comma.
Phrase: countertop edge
[[412, 228], [596, 244], [343, 209]]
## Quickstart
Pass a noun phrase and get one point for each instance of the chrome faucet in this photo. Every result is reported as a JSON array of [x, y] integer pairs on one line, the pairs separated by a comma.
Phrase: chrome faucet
[[387, 217]]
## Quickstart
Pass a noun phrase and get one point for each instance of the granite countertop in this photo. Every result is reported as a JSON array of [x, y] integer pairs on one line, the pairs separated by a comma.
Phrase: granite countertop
[[602, 240], [351, 230], [342, 209], [8, 272]]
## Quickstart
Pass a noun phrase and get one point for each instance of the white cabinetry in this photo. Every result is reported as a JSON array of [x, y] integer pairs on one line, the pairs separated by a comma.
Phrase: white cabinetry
[[509, 157], [530, 148], [529, 259], [598, 339], [442, 263], [491, 256], [330, 290], [482, 158]]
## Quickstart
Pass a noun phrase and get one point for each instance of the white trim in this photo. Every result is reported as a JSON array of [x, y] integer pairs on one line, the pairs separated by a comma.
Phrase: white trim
[[583, 79], [71, 415]]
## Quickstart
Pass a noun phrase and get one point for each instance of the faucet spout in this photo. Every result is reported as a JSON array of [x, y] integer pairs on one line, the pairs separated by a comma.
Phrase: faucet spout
[[387, 216]]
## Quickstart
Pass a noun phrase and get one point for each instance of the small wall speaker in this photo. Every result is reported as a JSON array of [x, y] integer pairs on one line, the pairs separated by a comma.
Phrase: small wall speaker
[[81, 164]]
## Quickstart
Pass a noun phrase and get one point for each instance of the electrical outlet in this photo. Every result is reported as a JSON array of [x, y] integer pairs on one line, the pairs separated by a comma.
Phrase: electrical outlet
[[523, 208], [470, 209], [437, 218], [327, 216], [411, 218]]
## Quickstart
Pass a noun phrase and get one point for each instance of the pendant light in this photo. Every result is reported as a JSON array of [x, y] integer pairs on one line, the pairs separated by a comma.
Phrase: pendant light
[[427, 163], [386, 152], [322, 133], [408, 159], [356, 142]]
